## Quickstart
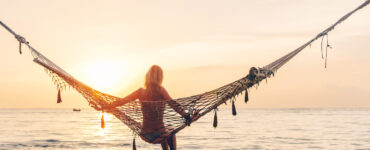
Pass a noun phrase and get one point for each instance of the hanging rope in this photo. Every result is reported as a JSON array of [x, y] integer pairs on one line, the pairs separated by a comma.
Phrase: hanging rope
[[280, 62], [322, 41], [326, 48], [21, 41]]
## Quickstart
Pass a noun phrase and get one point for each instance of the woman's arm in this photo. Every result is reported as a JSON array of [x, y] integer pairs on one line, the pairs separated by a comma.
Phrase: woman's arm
[[173, 104], [133, 96], [189, 117]]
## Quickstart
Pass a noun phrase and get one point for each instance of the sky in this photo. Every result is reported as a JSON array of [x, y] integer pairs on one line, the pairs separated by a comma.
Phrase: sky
[[201, 45]]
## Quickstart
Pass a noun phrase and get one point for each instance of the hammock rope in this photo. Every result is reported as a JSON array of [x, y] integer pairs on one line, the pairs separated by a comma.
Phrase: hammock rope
[[131, 112]]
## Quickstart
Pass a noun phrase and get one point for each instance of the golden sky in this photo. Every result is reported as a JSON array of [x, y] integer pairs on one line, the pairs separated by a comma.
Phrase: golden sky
[[200, 45]]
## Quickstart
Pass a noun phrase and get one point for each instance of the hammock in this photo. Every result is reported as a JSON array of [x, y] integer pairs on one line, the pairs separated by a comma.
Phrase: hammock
[[131, 113]]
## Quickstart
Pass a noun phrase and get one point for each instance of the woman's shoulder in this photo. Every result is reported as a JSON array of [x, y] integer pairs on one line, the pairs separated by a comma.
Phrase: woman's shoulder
[[165, 93], [139, 91], [163, 90]]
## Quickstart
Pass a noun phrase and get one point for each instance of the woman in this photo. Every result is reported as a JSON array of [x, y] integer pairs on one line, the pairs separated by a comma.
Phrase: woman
[[153, 100]]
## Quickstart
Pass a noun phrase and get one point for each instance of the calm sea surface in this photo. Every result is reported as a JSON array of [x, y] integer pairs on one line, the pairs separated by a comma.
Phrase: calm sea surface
[[250, 129]]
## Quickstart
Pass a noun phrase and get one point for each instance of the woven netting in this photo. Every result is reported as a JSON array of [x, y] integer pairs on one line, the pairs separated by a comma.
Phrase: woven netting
[[132, 114]]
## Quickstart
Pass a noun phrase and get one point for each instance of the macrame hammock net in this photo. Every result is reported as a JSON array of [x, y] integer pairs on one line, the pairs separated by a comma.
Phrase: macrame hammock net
[[131, 113]]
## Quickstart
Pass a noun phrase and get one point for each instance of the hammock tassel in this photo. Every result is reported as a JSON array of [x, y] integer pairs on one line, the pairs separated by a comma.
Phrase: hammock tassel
[[233, 108], [246, 98], [59, 99], [215, 119], [133, 144], [102, 125]]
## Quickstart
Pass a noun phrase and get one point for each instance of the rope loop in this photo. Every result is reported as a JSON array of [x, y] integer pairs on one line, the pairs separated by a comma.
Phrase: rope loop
[[326, 47], [21, 41]]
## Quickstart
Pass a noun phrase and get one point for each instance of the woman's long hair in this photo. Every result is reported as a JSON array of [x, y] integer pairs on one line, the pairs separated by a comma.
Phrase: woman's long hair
[[153, 82]]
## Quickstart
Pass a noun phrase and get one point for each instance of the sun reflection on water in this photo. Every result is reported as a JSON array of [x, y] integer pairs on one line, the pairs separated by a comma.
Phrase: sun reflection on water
[[104, 133]]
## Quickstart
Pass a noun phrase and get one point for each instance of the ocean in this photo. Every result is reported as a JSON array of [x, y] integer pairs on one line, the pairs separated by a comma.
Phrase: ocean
[[287, 129]]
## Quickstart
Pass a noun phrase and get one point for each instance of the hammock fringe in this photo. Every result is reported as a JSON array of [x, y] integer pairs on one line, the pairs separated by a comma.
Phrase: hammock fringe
[[233, 108], [59, 99], [102, 122], [246, 98], [215, 122]]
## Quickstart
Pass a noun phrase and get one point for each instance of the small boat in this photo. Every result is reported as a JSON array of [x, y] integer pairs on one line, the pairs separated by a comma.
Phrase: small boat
[[74, 109]]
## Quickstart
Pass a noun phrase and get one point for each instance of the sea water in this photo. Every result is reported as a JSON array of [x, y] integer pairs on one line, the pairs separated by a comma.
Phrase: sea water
[[292, 129]]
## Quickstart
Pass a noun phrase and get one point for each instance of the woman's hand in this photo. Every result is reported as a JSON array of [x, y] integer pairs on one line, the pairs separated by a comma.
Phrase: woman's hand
[[195, 115], [191, 116]]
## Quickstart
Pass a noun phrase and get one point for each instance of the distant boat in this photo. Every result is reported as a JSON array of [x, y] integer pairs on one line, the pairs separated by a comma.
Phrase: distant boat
[[74, 109]]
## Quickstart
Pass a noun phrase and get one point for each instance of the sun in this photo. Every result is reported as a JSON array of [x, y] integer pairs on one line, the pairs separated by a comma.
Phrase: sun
[[104, 75]]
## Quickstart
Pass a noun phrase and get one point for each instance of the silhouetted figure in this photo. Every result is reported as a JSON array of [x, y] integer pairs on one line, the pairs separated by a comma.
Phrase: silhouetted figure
[[153, 126]]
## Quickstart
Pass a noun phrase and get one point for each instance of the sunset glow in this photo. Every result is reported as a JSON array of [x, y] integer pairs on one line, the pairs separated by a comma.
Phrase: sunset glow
[[105, 75], [109, 45]]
